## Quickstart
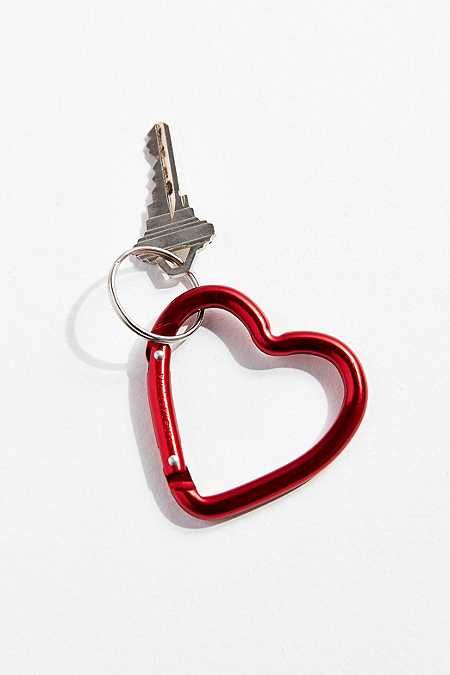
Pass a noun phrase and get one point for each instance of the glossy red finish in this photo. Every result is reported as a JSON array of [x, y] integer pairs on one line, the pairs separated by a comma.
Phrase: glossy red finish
[[286, 478]]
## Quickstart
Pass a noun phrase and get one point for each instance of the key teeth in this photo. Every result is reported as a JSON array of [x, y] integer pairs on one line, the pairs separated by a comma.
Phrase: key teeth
[[152, 143], [158, 203]]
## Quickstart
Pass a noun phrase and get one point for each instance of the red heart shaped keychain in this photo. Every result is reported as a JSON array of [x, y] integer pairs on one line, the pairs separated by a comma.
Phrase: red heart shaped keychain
[[277, 482], [172, 226]]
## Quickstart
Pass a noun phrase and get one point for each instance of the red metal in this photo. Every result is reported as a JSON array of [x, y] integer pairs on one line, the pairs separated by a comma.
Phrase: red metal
[[288, 477]]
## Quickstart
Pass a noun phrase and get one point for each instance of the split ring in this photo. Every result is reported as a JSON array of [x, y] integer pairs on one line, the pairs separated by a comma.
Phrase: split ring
[[148, 335]]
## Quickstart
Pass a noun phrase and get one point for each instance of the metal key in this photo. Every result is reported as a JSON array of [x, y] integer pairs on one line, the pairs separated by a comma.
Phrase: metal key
[[171, 223]]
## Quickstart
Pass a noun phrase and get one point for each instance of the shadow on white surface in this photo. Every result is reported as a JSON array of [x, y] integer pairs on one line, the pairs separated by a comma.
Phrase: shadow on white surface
[[234, 336], [72, 337]]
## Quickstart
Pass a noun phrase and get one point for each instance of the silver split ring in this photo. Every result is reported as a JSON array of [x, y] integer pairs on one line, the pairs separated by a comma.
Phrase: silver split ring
[[148, 335]]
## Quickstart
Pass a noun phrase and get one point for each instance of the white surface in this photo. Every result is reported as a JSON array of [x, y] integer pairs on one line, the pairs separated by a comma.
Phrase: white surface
[[338, 225]]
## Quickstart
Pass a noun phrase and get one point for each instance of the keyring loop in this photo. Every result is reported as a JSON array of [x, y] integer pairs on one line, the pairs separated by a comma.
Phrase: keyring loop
[[148, 335]]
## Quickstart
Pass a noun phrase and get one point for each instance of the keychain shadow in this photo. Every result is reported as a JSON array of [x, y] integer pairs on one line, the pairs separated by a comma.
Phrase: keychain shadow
[[236, 339], [136, 369]]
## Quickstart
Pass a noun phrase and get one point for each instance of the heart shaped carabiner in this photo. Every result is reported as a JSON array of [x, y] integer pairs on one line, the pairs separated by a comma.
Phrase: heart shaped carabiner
[[289, 476]]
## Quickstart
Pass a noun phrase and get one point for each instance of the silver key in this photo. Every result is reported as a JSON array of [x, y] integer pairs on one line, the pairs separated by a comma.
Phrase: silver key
[[171, 222]]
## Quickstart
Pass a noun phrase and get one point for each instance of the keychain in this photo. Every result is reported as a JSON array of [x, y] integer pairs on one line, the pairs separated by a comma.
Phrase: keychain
[[172, 238]]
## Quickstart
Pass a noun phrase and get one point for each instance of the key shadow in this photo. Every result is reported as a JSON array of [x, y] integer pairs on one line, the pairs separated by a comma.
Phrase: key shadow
[[235, 337]]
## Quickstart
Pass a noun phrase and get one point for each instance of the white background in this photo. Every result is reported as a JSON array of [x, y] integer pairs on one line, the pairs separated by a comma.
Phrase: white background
[[315, 137]]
